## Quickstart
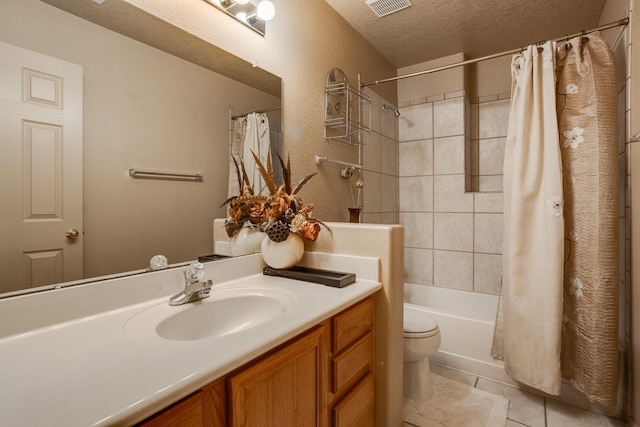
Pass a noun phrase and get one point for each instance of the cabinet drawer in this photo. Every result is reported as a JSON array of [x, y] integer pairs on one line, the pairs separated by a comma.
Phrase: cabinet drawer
[[352, 324], [353, 364], [357, 408]]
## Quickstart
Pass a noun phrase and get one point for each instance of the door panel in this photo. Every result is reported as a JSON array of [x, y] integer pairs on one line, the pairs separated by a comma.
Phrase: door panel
[[41, 169], [285, 388]]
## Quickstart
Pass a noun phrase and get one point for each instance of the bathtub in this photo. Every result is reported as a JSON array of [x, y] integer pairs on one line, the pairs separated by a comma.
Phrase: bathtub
[[466, 321]]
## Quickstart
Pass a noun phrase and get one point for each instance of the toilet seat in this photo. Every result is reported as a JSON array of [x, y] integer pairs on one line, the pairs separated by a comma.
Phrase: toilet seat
[[412, 335], [418, 324]]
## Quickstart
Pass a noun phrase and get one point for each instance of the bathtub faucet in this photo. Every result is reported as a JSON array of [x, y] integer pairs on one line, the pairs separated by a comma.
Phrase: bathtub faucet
[[194, 288]]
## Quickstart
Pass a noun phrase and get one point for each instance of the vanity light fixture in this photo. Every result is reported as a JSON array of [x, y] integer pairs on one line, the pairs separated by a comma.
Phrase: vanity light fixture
[[252, 13], [242, 16], [266, 10]]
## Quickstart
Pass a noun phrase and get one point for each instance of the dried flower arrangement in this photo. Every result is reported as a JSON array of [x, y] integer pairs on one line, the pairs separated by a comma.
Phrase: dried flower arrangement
[[280, 213], [245, 208]]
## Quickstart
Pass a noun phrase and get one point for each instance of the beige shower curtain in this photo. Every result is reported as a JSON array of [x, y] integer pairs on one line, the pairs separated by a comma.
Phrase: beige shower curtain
[[250, 133], [258, 141], [559, 301], [587, 116], [235, 151], [533, 225]]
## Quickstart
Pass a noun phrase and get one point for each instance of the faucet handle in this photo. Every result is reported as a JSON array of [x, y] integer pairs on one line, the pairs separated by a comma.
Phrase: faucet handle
[[195, 272]]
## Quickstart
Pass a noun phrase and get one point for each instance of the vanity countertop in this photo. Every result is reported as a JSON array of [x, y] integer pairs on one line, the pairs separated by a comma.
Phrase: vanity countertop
[[85, 370]]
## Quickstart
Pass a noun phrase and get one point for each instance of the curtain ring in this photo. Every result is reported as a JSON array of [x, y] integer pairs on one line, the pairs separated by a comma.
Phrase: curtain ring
[[567, 44], [584, 38]]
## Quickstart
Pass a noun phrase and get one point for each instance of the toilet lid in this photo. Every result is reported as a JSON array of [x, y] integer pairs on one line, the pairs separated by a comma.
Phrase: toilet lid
[[418, 321]]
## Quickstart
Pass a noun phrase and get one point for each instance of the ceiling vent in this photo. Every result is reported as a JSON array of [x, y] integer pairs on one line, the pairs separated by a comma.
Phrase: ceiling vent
[[387, 7]]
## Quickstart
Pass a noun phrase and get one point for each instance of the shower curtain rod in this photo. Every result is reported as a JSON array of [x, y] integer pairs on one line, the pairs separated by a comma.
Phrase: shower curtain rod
[[266, 110], [619, 23]]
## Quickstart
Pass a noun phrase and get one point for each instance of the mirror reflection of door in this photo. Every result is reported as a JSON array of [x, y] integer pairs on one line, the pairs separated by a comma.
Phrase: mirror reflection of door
[[40, 169]]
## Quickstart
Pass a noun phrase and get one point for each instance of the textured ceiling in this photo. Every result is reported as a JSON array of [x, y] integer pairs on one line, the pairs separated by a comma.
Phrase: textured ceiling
[[433, 29]]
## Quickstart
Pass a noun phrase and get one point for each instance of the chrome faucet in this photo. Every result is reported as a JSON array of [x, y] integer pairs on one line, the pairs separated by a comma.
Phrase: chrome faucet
[[194, 288]]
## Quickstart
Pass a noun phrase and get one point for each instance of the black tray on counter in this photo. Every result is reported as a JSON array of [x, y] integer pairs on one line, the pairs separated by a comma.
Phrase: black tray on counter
[[336, 279], [212, 257]]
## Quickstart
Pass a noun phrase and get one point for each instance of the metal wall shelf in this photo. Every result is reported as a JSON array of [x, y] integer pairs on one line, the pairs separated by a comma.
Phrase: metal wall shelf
[[347, 110]]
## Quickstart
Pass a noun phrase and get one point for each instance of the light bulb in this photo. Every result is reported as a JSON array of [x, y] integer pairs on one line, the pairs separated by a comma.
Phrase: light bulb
[[266, 10], [242, 1], [242, 16]]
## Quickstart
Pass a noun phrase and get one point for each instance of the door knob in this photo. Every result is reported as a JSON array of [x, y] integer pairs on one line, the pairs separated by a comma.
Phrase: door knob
[[72, 233]]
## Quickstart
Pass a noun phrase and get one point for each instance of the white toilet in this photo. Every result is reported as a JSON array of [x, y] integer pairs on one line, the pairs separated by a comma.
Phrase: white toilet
[[421, 340]]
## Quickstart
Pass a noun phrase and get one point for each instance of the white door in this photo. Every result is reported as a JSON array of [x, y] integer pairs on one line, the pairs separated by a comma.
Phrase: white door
[[40, 169]]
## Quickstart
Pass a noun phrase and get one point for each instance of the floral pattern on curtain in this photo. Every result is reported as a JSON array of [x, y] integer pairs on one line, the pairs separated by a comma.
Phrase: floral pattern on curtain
[[587, 120]]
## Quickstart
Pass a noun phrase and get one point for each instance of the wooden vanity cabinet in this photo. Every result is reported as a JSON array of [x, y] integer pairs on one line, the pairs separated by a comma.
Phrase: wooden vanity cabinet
[[322, 377], [205, 407]]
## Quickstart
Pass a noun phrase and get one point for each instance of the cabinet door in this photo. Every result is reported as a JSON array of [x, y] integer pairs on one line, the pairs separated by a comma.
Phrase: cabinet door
[[185, 413], [214, 403], [285, 388]]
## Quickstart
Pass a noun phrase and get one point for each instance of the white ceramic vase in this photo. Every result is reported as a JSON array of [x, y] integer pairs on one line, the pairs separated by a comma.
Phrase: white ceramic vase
[[246, 241], [283, 254]]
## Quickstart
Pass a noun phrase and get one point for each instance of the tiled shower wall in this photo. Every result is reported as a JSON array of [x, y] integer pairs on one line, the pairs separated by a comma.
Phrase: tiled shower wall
[[380, 163], [452, 238], [487, 141]]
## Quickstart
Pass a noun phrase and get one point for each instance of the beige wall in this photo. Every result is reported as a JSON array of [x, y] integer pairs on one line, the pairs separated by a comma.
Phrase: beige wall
[[491, 77], [634, 188], [484, 78], [304, 41], [142, 108], [431, 84]]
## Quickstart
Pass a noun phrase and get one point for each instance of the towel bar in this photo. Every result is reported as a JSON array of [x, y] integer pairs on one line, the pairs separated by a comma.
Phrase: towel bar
[[146, 174]]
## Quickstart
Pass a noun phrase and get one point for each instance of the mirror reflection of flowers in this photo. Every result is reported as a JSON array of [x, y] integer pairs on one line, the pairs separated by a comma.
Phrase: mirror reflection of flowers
[[245, 209], [280, 213]]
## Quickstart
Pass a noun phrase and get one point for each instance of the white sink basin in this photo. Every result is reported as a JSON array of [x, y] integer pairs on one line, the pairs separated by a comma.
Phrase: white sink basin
[[226, 311]]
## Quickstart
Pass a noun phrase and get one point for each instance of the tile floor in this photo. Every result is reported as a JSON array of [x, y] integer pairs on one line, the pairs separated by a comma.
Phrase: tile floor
[[530, 410]]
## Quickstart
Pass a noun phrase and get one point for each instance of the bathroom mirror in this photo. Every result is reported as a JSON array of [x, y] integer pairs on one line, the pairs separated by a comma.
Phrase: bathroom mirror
[[154, 98]]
